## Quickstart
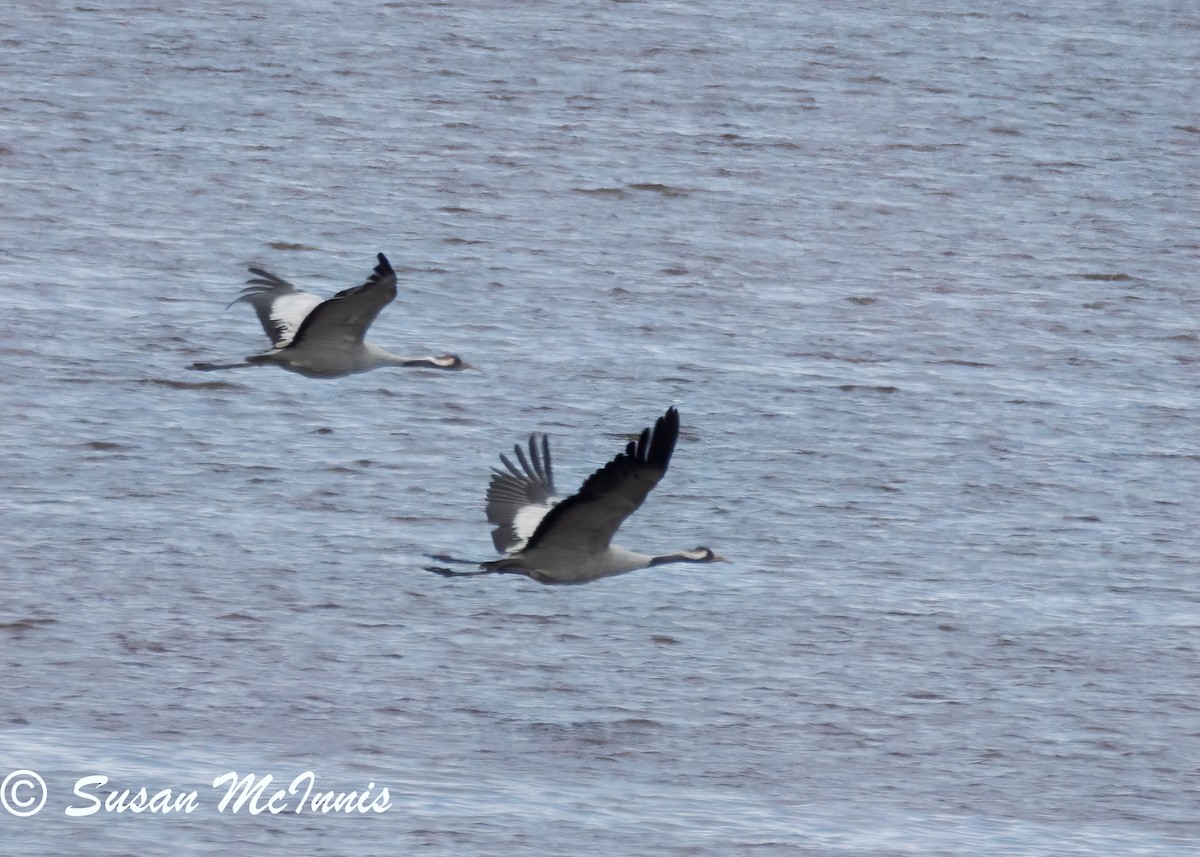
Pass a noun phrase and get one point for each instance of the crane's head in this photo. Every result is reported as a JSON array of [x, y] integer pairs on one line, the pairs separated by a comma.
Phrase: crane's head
[[701, 554], [449, 361]]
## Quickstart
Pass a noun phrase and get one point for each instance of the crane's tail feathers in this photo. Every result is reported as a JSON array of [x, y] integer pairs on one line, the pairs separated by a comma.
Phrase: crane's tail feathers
[[210, 367], [442, 557], [449, 572]]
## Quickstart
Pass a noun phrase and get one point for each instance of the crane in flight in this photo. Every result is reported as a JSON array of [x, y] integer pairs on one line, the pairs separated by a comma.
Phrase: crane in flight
[[552, 540], [325, 338]]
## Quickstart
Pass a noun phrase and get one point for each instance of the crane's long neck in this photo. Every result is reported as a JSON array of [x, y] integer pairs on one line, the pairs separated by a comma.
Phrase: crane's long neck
[[683, 556], [383, 357], [411, 362], [667, 559]]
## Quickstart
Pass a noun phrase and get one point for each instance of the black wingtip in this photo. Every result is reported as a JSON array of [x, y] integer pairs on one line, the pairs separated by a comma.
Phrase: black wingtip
[[671, 420], [655, 447], [384, 267]]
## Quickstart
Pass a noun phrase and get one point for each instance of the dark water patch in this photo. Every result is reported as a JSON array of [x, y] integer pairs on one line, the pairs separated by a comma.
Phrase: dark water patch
[[106, 446], [601, 191], [970, 364], [502, 618], [289, 246], [134, 646], [374, 625], [211, 69], [238, 617], [915, 147], [663, 189], [1106, 278], [879, 388], [192, 385], [22, 626], [738, 142], [869, 359]]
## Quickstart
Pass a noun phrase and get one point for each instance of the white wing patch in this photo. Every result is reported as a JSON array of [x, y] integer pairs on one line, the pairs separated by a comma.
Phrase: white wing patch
[[281, 307], [288, 312], [526, 523], [520, 495]]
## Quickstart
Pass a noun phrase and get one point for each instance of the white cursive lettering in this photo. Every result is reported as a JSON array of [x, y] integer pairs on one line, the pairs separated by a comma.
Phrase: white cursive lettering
[[162, 802], [251, 789], [250, 792]]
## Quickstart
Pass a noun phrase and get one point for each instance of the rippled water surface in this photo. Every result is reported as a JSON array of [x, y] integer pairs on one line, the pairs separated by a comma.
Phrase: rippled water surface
[[921, 279]]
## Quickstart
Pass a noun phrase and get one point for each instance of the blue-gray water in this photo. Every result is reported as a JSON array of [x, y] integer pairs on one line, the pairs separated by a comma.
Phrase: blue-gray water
[[920, 278]]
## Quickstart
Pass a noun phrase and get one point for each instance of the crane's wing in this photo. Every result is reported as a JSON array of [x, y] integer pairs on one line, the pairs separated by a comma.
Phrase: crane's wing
[[349, 313], [281, 307], [518, 499], [588, 520]]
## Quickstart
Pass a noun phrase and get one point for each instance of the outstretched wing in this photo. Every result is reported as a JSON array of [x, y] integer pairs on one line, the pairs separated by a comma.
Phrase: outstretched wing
[[280, 306], [348, 314], [588, 520], [518, 499]]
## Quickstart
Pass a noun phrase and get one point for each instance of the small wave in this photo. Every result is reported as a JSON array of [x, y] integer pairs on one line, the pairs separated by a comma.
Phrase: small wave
[[191, 385], [286, 245], [20, 626]]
